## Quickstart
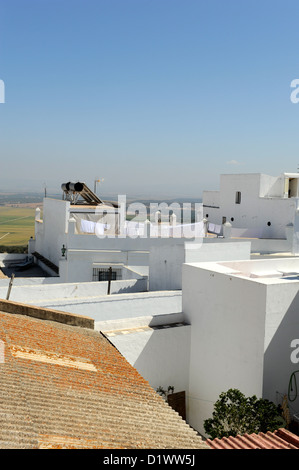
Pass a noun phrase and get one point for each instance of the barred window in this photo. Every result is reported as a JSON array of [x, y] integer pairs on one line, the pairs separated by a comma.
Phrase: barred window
[[102, 274]]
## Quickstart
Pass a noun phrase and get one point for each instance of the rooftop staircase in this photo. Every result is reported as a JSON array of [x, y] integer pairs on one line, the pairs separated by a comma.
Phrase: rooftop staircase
[[46, 262]]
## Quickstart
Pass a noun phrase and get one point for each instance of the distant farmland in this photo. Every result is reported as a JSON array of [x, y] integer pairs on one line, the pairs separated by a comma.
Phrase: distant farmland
[[16, 225]]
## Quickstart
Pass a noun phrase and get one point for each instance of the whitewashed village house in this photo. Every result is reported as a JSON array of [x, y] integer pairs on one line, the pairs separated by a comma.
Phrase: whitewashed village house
[[244, 331], [256, 205]]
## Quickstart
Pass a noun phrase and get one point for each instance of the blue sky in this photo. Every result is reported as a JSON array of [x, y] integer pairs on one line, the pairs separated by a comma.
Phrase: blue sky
[[158, 97]]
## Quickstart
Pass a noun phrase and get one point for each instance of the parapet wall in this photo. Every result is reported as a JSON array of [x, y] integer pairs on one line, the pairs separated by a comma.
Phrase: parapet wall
[[32, 293], [42, 313]]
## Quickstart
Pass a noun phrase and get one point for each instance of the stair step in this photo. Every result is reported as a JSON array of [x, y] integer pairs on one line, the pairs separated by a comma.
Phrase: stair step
[[46, 262]]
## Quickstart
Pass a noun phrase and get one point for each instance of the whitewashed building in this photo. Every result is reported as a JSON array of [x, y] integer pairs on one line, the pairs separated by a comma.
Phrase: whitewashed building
[[80, 237], [256, 205], [244, 331]]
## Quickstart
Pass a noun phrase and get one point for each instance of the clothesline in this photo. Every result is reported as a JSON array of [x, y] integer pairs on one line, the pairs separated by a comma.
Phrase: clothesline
[[214, 228], [138, 228]]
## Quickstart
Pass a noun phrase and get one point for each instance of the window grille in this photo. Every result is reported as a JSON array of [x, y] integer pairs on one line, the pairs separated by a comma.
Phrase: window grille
[[102, 274]]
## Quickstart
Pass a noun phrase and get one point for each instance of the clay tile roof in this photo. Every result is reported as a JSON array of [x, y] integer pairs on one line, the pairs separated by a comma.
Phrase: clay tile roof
[[64, 386], [280, 439]]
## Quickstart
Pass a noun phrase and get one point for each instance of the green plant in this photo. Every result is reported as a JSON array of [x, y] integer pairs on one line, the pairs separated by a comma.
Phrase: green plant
[[236, 414], [164, 393], [14, 249]]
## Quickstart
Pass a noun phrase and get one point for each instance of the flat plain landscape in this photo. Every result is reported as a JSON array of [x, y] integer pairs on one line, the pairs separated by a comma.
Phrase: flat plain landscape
[[17, 214], [16, 225]]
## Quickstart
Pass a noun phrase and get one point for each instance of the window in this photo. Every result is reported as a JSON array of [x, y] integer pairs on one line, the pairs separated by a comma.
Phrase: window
[[238, 197], [102, 274]]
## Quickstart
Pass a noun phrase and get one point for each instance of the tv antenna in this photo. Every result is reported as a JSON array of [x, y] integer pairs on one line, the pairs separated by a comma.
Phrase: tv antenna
[[100, 180]]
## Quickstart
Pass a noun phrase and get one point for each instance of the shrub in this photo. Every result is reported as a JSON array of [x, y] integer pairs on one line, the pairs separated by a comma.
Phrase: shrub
[[13, 249], [236, 414]]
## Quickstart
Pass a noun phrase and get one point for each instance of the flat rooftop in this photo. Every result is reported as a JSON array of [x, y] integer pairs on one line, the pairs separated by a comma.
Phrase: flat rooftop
[[267, 271], [10, 268]]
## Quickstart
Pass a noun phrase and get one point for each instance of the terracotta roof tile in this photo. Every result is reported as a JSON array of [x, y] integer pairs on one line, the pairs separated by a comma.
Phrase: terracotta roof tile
[[280, 439], [63, 386]]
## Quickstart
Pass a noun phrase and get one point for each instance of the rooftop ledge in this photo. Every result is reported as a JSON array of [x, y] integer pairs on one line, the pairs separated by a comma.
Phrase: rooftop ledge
[[266, 271], [8, 306]]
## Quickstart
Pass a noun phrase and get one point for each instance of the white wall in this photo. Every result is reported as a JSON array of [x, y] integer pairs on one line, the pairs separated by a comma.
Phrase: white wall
[[261, 202], [6, 258], [165, 262], [210, 199], [272, 186], [165, 267], [243, 316], [84, 250], [31, 292], [27, 281], [121, 243], [264, 267], [78, 265], [282, 326], [161, 356], [51, 233], [227, 317]]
